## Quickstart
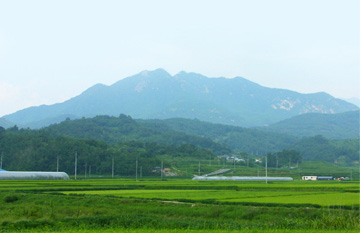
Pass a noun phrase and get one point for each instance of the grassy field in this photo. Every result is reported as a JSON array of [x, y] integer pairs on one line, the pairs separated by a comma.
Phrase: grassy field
[[178, 205]]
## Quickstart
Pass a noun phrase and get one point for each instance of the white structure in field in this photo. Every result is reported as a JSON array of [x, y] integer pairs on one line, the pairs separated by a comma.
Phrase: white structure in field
[[243, 178], [309, 178], [5, 175]]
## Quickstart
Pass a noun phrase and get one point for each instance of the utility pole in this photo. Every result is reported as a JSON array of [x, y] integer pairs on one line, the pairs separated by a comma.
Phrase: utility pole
[[140, 171], [89, 170], [136, 168], [1, 160], [57, 164], [85, 169], [266, 168], [112, 168], [199, 168], [161, 168], [75, 164], [290, 161]]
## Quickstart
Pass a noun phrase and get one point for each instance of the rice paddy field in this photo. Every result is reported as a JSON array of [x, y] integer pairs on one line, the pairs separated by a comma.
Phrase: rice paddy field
[[178, 205]]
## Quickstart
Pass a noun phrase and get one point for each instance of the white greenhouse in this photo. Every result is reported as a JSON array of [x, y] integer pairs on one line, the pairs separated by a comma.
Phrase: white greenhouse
[[6, 175], [243, 178]]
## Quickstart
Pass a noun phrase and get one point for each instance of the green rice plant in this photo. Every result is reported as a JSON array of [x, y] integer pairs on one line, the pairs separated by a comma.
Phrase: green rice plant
[[178, 205]]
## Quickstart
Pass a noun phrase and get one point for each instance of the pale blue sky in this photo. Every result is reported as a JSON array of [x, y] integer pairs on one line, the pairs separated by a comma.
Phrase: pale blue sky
[[51, 51]]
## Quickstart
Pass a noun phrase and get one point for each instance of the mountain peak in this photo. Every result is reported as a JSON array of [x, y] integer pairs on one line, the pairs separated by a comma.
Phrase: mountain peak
[[158, 72]]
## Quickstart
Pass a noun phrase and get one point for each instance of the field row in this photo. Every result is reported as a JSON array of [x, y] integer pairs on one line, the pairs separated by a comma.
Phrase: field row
[[285, 197]]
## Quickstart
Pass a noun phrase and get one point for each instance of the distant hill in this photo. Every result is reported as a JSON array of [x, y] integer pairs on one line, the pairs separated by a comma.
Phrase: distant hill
[[333, 126], [158, 95], [215, 137], [5, 124], [252, 141], [124, 129], [318, 148], [258, 142]]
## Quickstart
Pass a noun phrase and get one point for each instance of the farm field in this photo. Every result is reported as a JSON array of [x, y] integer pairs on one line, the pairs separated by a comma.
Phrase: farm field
[[178, 205], [259, 196]]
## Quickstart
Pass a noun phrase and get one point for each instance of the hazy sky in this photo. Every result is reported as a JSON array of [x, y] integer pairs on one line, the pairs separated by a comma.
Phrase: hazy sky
[[51, 51]]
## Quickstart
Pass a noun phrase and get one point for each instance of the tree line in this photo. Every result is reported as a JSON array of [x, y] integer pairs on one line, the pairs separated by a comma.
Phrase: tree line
[[31, 150]]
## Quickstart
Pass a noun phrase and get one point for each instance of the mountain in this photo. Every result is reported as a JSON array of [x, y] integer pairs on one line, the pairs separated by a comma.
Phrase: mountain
[[158, 95], [5, 124], [333, 126], [354, 100]]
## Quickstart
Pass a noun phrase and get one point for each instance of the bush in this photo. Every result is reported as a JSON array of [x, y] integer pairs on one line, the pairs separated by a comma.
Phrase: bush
[[11, 198]]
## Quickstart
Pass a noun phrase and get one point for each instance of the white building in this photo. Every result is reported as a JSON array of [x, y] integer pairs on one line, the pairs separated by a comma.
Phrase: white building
[[309, 178]]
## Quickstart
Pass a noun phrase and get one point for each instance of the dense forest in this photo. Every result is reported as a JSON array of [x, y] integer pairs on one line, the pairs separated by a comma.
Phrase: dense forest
[[123, 128], [333, 126], [30, 150], [102, 141], [319, 148], [258, 142]]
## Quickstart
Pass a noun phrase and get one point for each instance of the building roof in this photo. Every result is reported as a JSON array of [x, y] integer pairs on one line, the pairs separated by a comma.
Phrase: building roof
[[33, 175], [243, 178]]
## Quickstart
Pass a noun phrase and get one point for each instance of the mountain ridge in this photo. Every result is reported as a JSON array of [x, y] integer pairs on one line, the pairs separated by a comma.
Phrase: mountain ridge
[[157, 94]]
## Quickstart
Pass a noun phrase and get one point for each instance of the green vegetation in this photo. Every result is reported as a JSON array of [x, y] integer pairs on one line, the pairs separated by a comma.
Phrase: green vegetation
[[251, 141], [156, 202], [334, 126], [178, 205], [28, 150], [215, 137], [32, 150], [123, 128], [257, 141]]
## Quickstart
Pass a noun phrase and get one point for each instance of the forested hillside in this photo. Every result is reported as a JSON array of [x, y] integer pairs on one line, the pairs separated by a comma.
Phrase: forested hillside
[[252, 141], [318, 148], [29, 150], [124, 128], [216, 137], [258, 142], [100, 139], [334, 126]]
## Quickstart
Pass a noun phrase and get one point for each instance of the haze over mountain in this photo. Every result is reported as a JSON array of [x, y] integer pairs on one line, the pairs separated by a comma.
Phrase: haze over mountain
[[354, 100], [158, 95]]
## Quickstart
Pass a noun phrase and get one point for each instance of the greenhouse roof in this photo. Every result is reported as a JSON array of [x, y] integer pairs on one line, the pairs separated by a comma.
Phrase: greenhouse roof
[[243, 178], [33, 175]]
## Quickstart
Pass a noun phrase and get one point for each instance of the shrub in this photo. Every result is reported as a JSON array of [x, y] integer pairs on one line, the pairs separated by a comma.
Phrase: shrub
[[11, 198]]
